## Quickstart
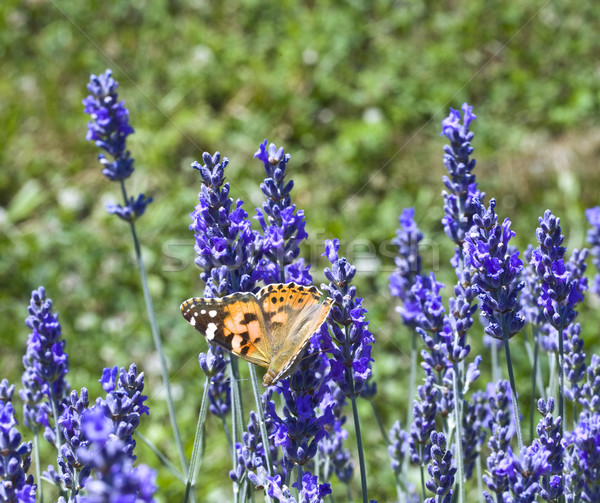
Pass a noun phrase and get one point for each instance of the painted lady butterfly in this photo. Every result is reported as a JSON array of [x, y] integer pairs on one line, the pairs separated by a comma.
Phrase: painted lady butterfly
[[270, 329]]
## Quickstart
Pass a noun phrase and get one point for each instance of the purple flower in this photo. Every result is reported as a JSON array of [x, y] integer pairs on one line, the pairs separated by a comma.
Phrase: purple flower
[[459, 199], [475, 418], [575, 367], [499, 443], [124, 403], [351, 362], [282, 225], [15, 456], [593, 237], [114, 478], [496, 270], [549, 435], [332, 447], [424, 412], [589, 396], [71, 474], [214, 364], [45, 362], [523, 473], [225, 244], [109, 126], [251, 452], [397, 447], [301, 428], [310, 492], [583, 445], [134, 209], [408, 260], [440, 469], [561, 286]]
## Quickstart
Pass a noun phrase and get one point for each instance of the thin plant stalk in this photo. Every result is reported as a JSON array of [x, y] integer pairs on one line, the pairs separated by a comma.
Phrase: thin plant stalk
[[561, 377], [38, 473], [261, 418], [513, 388], [411, 391], [496, 374], [361, 454], [479, 478], [228, 436], [161, 457], [156, 338], [196, 459], [422, 471], [534, 379], [457, 384], [236, 418]]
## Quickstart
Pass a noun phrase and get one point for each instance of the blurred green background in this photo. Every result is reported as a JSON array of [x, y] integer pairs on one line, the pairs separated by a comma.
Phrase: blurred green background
[[355, 92]]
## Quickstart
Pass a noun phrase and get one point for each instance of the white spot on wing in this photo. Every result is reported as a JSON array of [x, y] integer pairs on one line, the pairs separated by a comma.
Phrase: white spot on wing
[[203, 311], [193, 322], [210, 331], [212, 313]]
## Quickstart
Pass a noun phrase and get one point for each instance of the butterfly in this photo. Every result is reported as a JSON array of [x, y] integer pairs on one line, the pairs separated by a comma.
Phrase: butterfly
[[271, 328]]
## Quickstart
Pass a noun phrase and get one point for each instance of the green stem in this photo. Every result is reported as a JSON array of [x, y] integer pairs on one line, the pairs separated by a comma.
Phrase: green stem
[[479, 479], [361, 455], [422, 470], [496, 374], [513, 388], [162, 458], [38, 472], [156, 338], [196, 459], [236, 418], [457, 384], [412, 385], [561, 377], [261, 418], [534, 375], [227, 436]]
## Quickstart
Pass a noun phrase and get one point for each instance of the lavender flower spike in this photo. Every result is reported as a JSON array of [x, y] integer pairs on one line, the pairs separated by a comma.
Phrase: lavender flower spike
[[109, 128], [46, 364], [113, 476], [225, 244], [593, 237], [282, 225], [495, 271], [440, 470], [408, 260], [462, 191], [15, 456]]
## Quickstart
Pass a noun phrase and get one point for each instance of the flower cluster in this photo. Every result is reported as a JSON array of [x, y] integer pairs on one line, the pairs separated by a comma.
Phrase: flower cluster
[[224, 243], [496, 271], [560, 291], [251, 451], [282, 225], [334, 455], [46, 364], [109, 129], [425, 410], [124, 403], [309, 492], [299, 432], [462, 192], [441, 470], [214, 364], [15, 456], [351, 362], [408, 260], [593, 237], [114, 476]]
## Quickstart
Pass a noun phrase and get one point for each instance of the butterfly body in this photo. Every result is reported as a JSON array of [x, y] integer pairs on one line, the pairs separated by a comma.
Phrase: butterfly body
[[271, 328]]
